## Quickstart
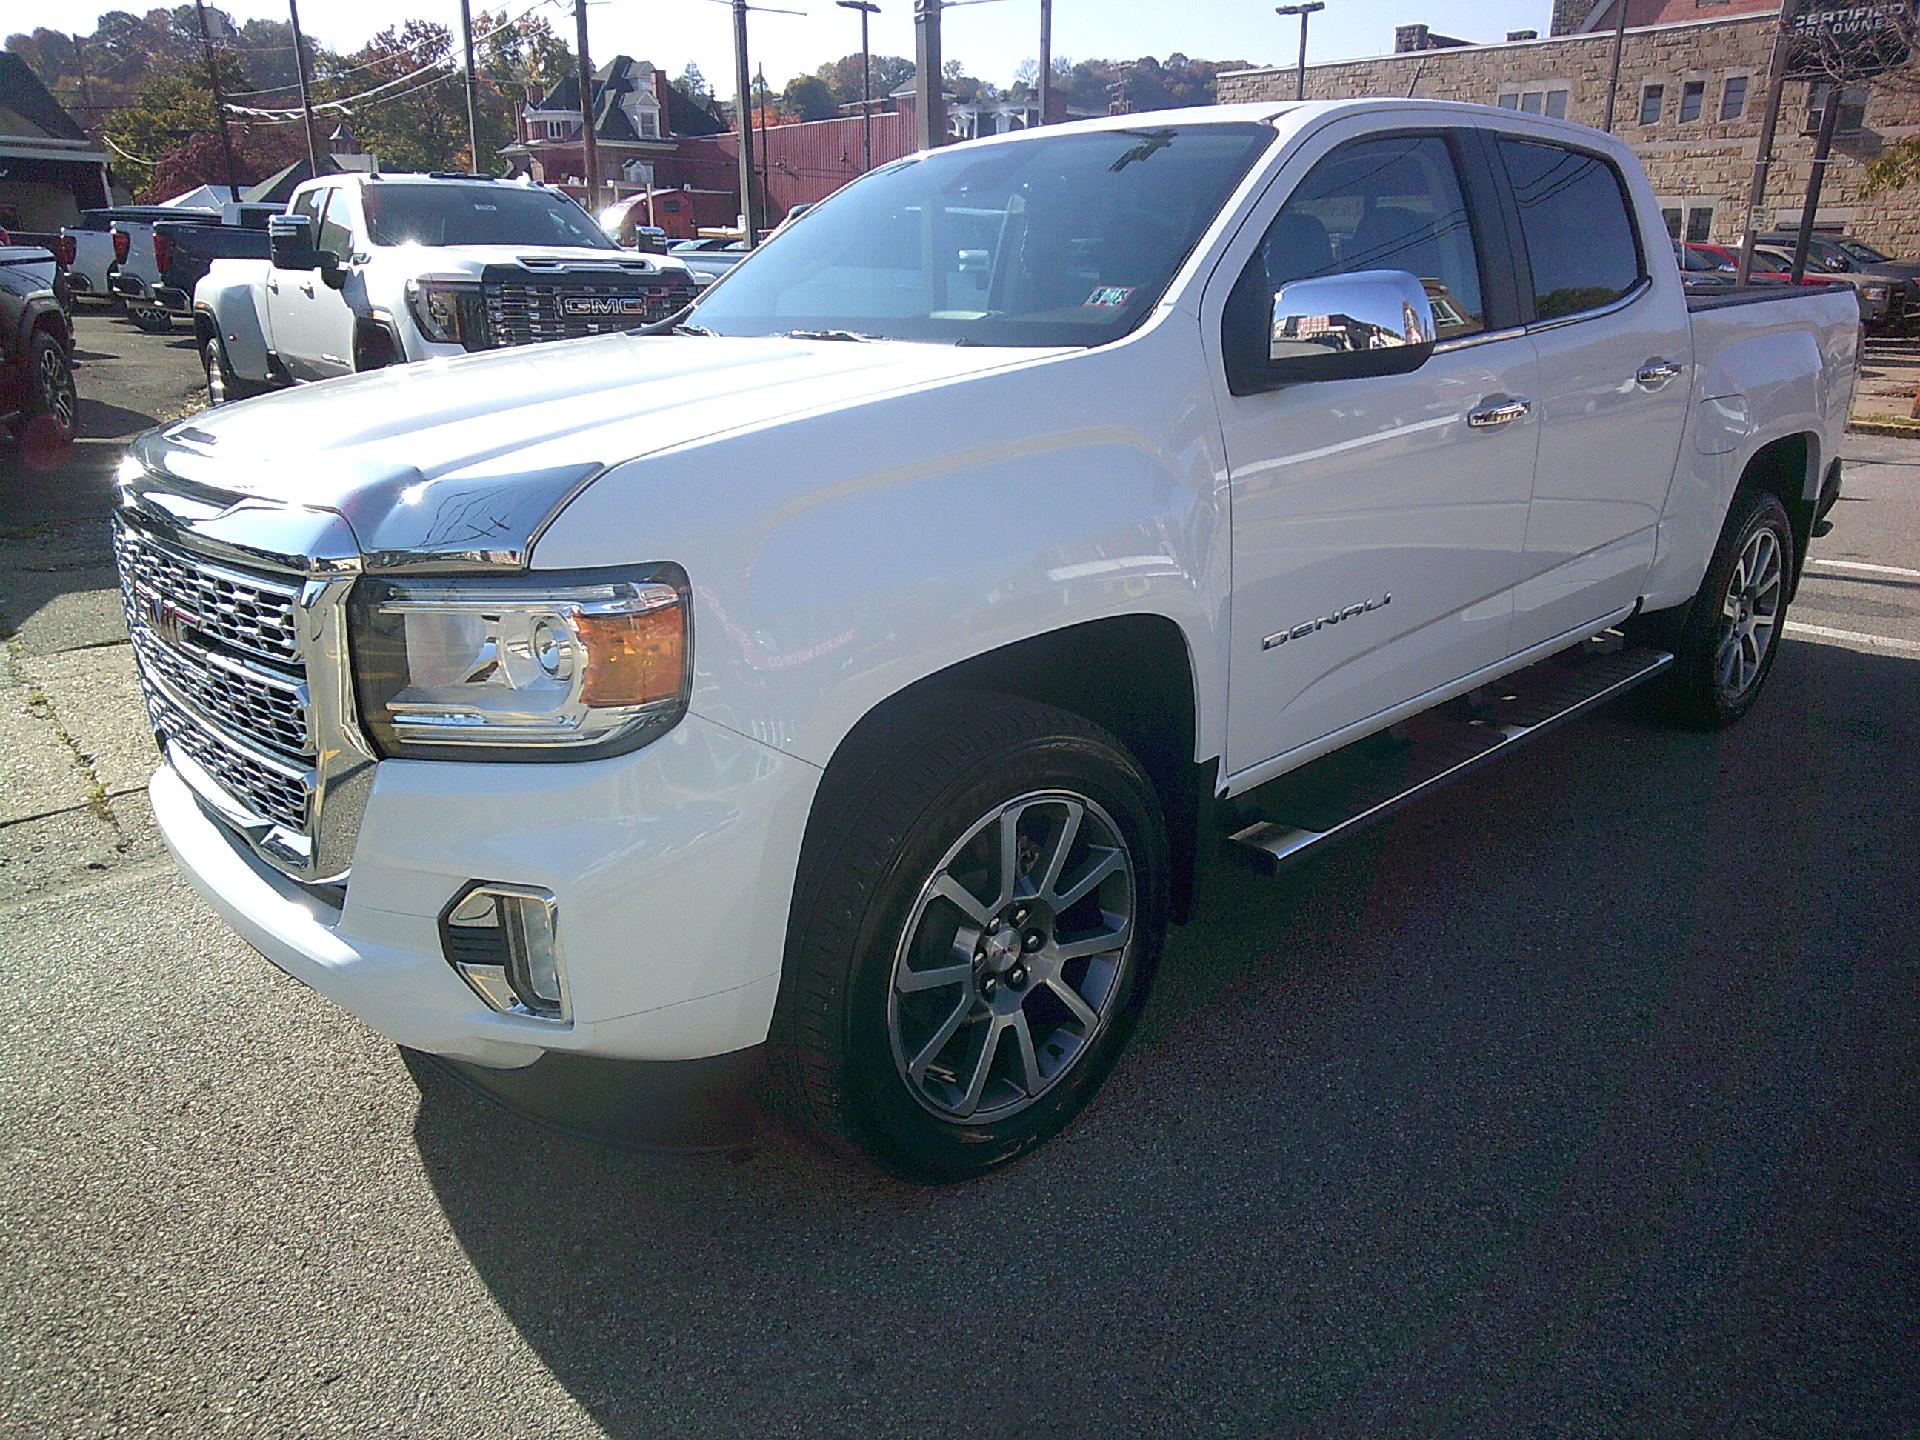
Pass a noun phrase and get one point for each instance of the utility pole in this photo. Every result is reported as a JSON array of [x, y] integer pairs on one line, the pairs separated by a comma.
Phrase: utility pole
[[1763, 158], [1822, 154], [219, 101], [306, 93], [1613, 75], [473, 124], [1305, 12], [866, 9], [764, 95], [589, 142], [1046, 57], [928, 98], [743, 104]]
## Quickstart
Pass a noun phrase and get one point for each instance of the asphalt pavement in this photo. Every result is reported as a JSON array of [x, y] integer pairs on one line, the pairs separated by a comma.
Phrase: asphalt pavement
[[1579, 1101]]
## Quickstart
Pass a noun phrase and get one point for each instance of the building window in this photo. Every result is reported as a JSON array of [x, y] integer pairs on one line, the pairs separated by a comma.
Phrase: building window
[[1693, 97], [1733, 98], [1652, 97], [1853, 108], [556, 129], [1548, 100], [1689, 220], [647, 124]]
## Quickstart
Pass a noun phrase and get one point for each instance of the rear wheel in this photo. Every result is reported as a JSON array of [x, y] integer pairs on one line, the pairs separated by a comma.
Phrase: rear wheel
[[1727, 645], [223, 386], [973, 929], [152, 321]]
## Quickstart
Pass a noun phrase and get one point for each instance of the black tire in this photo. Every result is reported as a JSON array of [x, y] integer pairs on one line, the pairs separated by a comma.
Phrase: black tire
[[150, 320], [892, 811], [50, 388], [223, 386], [1698, 692]]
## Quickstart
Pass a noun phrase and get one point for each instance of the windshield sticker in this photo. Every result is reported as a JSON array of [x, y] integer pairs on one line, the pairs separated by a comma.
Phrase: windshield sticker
[[1109, 297]]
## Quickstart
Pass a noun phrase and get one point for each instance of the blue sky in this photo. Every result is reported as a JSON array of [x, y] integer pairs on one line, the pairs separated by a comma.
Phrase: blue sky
[[991, 38]]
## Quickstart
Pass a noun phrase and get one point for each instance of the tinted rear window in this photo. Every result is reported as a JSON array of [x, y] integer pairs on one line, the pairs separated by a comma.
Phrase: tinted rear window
[[1578, 228]]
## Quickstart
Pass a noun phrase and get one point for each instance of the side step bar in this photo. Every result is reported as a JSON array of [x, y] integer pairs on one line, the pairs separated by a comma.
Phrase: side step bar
[[1339, 794]]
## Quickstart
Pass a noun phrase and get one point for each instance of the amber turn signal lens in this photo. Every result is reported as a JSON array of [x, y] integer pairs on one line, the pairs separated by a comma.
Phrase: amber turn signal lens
[[633, 659]]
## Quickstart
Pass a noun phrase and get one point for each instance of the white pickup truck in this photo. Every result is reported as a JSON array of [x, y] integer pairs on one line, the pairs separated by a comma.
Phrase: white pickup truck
[[375, 270], [846, 679]]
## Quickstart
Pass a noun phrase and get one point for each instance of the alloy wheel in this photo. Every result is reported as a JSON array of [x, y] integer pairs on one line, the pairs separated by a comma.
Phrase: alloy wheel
[[56, 386], [1750, 614], [1011, 961]]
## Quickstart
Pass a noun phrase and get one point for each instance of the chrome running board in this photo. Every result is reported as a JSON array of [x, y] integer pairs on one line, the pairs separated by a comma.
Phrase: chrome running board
[[1364, 783]]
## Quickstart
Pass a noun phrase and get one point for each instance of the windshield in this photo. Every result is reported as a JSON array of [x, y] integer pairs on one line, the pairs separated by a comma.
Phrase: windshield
[[1066, 240], [476, 215], [1865, 254]]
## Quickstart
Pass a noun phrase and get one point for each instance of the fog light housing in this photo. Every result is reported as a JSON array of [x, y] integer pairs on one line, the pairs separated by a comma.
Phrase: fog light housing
[[504, 941]]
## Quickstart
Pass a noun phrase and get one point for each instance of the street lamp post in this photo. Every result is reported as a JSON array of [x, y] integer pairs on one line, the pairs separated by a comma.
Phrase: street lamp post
[[1305, 11], [866, 9]]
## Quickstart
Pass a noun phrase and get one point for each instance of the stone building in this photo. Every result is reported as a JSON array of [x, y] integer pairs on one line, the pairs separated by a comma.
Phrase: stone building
[[1693, 87]]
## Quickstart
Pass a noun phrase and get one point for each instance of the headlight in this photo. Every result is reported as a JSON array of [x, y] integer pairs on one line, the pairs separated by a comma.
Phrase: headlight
[[449, 311], [524, 668]]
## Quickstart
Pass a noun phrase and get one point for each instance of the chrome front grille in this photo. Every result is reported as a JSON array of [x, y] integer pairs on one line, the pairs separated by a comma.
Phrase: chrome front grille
[[224, 682], [249, 613], [528, 312]]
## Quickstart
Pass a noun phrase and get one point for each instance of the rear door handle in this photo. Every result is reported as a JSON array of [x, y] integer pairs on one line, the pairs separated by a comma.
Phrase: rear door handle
[[1656, 374], [1492, 417], [306, 287]]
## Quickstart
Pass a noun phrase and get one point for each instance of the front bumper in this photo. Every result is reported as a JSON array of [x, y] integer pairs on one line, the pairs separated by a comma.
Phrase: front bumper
[[673, 870]]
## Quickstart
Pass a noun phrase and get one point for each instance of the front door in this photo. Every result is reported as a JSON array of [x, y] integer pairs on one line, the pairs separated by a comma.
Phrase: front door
[[312, 323], [1394, 494]]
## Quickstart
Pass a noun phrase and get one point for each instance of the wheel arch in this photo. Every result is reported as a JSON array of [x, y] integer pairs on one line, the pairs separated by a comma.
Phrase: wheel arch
[[1132, 674], [1788, 466]]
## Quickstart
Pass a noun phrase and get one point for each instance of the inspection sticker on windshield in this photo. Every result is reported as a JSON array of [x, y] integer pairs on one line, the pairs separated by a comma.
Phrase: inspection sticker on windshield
[[1109, 297]]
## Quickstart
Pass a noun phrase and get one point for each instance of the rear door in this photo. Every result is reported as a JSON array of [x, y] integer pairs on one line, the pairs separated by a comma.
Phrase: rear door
[[1406, 495], [1613, 349]]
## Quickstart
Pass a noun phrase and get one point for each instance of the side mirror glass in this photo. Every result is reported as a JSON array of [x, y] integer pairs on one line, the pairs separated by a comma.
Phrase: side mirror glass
[[1348, 327], [290, 243]]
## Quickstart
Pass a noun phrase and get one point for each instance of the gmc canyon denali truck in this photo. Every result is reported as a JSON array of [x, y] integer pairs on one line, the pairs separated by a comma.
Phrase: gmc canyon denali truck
[[852, 671], [366, 271]]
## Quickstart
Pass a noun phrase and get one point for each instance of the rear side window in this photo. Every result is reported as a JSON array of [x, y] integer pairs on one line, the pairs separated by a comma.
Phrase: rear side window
[[1578, 228]]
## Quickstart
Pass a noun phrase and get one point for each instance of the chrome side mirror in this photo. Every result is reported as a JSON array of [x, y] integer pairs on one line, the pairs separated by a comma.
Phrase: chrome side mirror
[[1347, 327]]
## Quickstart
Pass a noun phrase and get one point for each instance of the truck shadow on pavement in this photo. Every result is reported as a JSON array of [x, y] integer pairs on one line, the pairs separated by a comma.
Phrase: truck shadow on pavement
[[1576, 1101]]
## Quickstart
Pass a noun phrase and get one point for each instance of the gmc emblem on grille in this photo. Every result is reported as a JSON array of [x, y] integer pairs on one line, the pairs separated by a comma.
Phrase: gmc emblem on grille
[[603, 304], [167, 620]]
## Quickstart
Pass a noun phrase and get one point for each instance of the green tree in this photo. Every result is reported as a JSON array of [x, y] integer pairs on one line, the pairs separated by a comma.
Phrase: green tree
[[808, 97], [695, 86], [419, 123]]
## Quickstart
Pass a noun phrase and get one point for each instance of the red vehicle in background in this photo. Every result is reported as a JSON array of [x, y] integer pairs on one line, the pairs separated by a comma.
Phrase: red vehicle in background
[[1772, 267]]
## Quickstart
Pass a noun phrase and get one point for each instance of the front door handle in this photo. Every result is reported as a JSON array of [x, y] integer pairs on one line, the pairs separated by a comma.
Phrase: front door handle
[[1656, 374], [273, 285], [306, 287], [1504, 412]]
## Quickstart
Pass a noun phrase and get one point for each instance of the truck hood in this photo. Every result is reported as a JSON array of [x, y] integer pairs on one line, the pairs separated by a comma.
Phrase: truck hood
[[462, 462], [473, 259]]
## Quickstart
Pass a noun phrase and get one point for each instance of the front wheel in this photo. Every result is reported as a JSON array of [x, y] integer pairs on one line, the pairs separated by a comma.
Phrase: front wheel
[[153, 322], [1727, 646], [974, 926], [51, 390]]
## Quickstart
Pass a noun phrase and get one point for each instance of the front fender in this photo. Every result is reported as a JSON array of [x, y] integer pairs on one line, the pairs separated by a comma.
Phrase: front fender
[[233, 305], [838, 557]]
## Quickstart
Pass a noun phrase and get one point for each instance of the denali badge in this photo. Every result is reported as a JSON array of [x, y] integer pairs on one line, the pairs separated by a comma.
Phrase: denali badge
[[168, 621], [603, 304], [1300, 632]]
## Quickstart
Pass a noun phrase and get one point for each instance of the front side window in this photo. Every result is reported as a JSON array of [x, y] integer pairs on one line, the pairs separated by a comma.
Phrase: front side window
[[1693, 96], [1060, 239], [476, 214], [1651, 99], [336, 231], [1577, 227], [1384, 204]]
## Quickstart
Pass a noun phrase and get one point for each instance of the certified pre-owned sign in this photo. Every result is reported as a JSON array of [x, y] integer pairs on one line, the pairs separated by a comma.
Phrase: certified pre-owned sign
[[603, 304], [1848, 39]]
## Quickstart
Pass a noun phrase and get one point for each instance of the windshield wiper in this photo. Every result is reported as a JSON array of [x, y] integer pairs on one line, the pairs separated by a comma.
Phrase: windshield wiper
[[690, 330], [853, 335]]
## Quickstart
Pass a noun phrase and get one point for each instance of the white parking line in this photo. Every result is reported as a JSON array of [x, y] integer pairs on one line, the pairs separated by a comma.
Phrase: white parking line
[[1855, 637], [1863, 568]]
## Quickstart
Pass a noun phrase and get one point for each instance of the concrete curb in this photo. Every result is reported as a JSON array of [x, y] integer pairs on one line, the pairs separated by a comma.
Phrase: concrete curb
[[1899, 429]]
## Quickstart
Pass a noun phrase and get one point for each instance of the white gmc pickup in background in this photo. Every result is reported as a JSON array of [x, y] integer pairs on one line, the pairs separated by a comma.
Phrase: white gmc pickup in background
[[375, 270], [848, 676]]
